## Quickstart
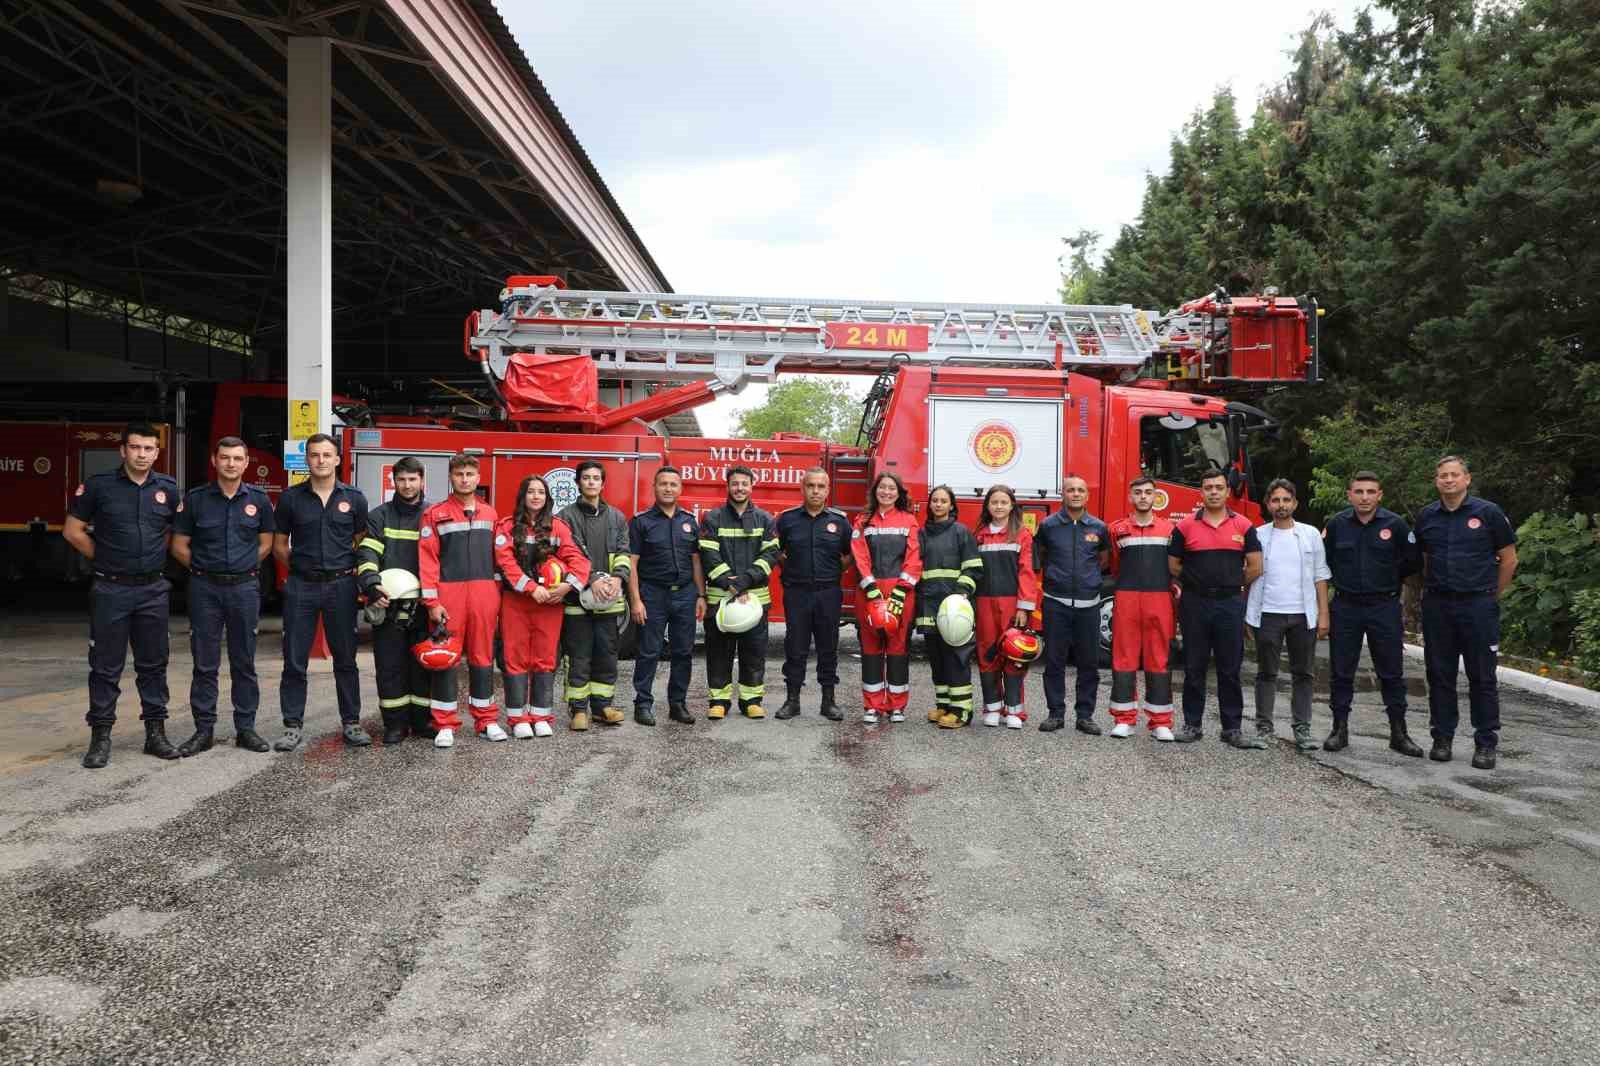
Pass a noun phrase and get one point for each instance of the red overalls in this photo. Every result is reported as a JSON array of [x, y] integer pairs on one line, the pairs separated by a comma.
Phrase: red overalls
[[887, 556], [455, 561], [1007, 585], [530, 632], [1141, 621]]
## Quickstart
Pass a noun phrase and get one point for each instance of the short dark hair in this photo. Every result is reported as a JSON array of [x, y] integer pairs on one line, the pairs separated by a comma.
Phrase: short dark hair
[[320, 438], [1211, 472], [139, 429], [1281, 483], [590, 464], [1365, 475], [734, 471], [1142, 479], [408, 464], [666, 468], [1443, 459], [229, 442], [814, 470], [462, 460]]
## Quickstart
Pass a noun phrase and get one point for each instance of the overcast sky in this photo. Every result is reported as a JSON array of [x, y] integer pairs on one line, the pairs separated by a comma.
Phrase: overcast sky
[[928, 151]]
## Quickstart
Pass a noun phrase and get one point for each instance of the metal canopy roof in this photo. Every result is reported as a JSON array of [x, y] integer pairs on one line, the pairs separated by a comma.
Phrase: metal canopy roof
[[145, 158]]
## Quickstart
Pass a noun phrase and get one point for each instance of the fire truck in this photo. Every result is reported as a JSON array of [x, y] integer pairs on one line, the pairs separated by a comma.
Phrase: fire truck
[[965, 395]]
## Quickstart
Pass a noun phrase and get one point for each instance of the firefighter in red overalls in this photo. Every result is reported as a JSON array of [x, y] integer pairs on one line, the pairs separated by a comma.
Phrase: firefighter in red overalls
[[539, 566], [886, 555], [456, 566], [1141, 619], [1007, 593]]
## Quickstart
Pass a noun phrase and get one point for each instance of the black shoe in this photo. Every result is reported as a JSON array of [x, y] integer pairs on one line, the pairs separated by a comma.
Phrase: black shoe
[[156, 742], [1440, 752], [1086, 725], [250, 740], [1483, 758], [1339, 738], [679, 712], [790, 708], [99, 752], [1052, 723], [1235, 738], [830, 710], [394, 727], [644, 716], [202, 740], [1400, 740], [1188, 734]]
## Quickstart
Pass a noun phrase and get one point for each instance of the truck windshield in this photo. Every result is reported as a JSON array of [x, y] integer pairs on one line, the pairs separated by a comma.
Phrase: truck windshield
[[1181, 456]]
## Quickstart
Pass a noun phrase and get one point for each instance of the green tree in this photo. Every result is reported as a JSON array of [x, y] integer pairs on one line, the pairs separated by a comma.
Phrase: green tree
[[1079, 272], [815, 406], [1400, 443]]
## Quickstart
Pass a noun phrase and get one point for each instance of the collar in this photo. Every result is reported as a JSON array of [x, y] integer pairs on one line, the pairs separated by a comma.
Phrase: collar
[[584, 506], [401, 505], [669, 517]]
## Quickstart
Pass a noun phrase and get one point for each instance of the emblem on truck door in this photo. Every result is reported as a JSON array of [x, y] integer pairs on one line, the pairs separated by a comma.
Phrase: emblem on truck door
[[563, 482], [994, 445]]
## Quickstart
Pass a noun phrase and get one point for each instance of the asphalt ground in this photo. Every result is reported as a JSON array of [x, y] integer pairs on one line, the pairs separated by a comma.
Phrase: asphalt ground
[[787, 891]]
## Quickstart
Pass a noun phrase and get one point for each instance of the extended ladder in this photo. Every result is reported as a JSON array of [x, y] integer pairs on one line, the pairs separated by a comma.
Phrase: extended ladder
[[730, 340]]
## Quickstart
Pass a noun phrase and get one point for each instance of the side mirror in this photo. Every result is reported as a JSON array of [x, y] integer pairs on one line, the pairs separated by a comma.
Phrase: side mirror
[[1236, 480]]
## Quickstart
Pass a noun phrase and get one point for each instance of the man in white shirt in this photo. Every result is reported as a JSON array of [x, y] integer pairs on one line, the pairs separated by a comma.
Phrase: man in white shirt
[[1288, 606]]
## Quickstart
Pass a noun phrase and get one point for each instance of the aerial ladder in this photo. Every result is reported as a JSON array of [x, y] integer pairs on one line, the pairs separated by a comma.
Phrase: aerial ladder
[[708, 345]]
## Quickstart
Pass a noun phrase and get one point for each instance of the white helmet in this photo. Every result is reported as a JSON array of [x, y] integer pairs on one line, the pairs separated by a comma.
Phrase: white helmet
[[398, 584], [955, 620], [736, 617], [589, 600]]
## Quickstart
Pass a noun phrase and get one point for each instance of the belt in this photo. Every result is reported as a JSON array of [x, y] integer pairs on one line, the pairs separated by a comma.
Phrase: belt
[[1451, 594], [130, 579], [670, 587], [221, 578], [1212, 593], [1076, 605], [322, 576], [1365, 598]]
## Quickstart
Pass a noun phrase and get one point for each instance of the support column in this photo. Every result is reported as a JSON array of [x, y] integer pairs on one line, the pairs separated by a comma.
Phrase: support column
[[310, 238]]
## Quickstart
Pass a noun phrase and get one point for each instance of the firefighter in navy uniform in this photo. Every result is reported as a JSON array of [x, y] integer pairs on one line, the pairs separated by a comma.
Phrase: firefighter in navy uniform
[[1469, 552], [1371, 552], [738, 549], [131, 509], [391, 543], [222, 532], [813, 543]]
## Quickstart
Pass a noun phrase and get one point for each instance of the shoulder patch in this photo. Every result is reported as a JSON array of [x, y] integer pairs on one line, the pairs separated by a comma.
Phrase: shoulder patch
[[425, 532], [500, 540]]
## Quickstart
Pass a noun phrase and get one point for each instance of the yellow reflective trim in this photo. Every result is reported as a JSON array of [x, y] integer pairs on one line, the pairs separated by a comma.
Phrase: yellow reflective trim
[[600, 688], [577, 692], [972, 564], [927, 574], [710, 545], [372, 545], [733, 532], [724, 693], [398, 701], [773, 543], [364, 567], [967, 581], [766, 567], [401, 534], [717, 571]]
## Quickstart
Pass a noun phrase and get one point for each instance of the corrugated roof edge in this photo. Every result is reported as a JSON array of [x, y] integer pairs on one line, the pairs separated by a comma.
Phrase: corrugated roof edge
[[495, 24]]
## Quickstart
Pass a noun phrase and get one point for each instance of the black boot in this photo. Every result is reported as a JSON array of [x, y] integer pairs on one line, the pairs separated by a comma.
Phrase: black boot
[[1400, 740], [679, 712], [250, 740], [394, 726], [791, 705], [644, 715], [156, 742], [200, 741], [830, 710], [1339, 736], [1440, 752], [99, 752]]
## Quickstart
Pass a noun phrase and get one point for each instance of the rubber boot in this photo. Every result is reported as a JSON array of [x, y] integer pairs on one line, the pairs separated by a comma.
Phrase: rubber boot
[[156, 742], [99, 752], [830, 709], [1400, 740], [394, 726], [791, 706]]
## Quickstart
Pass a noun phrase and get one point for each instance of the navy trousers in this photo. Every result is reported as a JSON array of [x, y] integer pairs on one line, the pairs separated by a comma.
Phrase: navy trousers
[[669, 622], [811, 616], [120, 615], [303, 602], [1071, 634], [1456, 631], [215, 609], [1350, 619], [1212, 628]]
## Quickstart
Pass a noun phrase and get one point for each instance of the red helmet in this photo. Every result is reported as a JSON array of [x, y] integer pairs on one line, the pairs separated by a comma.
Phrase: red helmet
[[550, 573], [1036, 619], [1020, 645], [880, 617], [439, 650]]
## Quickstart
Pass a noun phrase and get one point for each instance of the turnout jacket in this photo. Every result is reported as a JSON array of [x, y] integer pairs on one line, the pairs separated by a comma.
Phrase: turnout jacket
[[607, 554], [1008, 566], [737, 552], [951, 564], [392, 541], [507, 555], [454, 547], [885, 547]]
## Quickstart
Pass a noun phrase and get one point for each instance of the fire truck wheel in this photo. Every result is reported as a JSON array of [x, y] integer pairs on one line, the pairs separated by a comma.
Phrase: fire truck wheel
[[1105, 633]]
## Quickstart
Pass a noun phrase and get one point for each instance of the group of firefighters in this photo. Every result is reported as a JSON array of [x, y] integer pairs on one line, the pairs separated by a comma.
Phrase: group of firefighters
[[442, 581]]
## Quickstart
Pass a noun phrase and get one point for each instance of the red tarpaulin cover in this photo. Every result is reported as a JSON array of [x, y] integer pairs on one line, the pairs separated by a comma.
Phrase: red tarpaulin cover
[[551, 383]]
